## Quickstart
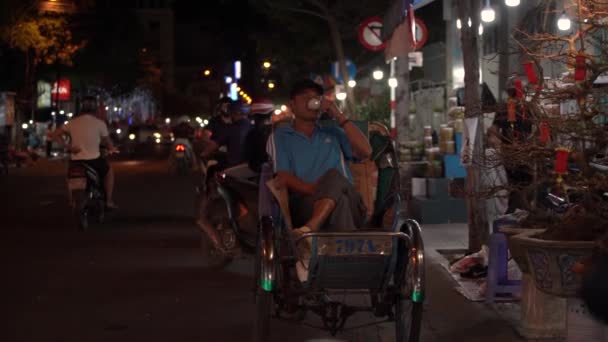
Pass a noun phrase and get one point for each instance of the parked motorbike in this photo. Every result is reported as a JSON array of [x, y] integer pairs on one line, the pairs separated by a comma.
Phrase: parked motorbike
[[227, 215]]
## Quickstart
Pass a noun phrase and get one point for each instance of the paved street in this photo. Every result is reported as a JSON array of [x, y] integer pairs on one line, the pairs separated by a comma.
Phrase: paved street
[[140, 277]]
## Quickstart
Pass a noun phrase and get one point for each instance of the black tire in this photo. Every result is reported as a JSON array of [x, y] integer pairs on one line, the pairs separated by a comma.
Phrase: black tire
[[408, 320], [408, 314], [261, 328], [80, 209], [212, 258]]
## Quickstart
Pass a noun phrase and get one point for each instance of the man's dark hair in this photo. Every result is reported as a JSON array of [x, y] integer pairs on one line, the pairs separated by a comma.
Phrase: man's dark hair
[[88, 104], [303, 85]]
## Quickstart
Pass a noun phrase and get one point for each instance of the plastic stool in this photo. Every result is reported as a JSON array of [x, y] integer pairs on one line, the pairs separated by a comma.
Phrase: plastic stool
[[497, 280]]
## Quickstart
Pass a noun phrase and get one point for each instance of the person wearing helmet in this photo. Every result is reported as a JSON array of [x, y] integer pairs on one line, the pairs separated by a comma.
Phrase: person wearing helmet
[[232, 136], [255, 143], [87, 133], [221, 118], [183, 129], [183, 133]]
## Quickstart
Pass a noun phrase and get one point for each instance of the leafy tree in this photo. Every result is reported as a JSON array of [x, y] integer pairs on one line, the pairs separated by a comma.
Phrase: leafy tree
[[42, 39], [302, 19]]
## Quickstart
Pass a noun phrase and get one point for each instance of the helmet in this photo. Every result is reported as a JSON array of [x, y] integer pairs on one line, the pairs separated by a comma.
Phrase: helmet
[[183, 119], [239, 107], [262, 106]]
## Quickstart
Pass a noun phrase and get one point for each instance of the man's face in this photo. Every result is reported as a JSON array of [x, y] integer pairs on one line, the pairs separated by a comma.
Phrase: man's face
[[299, 105]]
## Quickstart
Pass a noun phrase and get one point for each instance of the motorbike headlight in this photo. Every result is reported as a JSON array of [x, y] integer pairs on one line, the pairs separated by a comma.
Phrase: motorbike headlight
[[131, 136]]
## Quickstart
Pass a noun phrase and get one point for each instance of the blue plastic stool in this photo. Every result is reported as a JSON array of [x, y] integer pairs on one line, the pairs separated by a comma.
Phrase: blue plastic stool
[[497, 280]]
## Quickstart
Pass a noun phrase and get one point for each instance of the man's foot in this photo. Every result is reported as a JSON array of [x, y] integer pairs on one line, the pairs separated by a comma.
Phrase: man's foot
[[303, 250], [111, 205]]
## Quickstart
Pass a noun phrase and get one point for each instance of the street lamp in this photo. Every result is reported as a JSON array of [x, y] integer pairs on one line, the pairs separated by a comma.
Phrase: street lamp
[[392, 82], [266, 65], [378, 75], [341, 96], [487, 13], [352, 83], [458, 23], [271, 85], [207, 72], [512, 3], [564, 23]]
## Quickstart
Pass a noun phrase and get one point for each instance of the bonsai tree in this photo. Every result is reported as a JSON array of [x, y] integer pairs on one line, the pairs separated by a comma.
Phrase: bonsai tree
[[553, 131]]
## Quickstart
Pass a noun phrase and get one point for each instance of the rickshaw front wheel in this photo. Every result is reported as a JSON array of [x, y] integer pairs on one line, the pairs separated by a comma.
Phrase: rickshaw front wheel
[[261, 331], [408, 320]]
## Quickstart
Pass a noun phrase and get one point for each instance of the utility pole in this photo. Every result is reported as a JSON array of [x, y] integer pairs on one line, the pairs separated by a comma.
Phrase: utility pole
[[476, 209]]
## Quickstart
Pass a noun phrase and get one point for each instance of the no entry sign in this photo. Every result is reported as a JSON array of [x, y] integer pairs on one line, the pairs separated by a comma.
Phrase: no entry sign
[[370, 34], [421, 33]]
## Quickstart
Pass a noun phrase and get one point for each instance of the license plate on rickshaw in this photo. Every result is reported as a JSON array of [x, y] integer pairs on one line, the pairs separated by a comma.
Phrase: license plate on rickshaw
[[346, 246], [179, 155], [77, 183]]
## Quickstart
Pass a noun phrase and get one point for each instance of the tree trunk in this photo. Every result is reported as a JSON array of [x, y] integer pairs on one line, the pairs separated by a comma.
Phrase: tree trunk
[[402, 112], [476, 211], [337, 41]]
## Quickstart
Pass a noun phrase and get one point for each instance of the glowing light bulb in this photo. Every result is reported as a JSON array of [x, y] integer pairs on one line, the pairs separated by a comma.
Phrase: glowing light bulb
[[564, 23]]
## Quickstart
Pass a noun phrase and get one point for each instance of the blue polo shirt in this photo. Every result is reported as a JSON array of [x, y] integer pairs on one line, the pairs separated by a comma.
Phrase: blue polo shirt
[[308, 158]]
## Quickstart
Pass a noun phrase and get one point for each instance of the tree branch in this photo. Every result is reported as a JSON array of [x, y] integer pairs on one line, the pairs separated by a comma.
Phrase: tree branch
[[301, 11]]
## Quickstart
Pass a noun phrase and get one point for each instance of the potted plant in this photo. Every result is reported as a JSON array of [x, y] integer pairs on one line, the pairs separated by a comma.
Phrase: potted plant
[[555, 148]]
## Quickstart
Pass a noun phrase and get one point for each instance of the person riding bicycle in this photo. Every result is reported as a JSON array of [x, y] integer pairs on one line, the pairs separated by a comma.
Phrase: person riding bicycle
[[310, 162], [87, 133]]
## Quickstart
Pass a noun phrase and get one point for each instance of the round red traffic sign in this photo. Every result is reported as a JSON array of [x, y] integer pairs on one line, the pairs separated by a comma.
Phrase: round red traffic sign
[[370, 34], [421, 33]]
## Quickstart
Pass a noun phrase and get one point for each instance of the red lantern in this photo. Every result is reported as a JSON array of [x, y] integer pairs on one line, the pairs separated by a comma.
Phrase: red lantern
[[545, 134], [529, 67], [519, 89], [580, 71], [511, 114], [561, 162]]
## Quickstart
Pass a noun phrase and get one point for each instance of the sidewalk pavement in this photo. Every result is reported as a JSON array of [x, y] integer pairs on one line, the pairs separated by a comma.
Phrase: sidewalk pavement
[[449, 316]]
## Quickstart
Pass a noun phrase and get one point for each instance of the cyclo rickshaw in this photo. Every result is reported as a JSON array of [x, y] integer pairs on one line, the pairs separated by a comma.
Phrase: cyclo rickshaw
[[385, 264]]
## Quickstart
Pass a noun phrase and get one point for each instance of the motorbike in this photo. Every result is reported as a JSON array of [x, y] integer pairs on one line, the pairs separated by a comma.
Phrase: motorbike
[[227, 215], [180, 158], [86, 194]]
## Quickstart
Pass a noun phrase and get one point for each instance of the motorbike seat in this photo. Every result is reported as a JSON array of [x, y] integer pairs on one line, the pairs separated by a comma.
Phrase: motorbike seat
[[79, 170]]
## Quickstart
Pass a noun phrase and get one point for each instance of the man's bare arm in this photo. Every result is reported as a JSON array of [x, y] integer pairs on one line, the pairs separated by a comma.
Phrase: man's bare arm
[[361, 147]]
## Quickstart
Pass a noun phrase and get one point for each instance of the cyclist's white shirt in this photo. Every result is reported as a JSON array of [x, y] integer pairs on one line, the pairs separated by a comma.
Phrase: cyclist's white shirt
[[86, 131]]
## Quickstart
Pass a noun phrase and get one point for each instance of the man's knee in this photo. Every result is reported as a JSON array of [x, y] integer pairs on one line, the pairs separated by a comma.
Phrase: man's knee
[[333, 178]]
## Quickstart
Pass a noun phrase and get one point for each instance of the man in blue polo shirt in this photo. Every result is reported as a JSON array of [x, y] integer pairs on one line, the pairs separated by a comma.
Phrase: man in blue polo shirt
[[311, 162]]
